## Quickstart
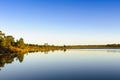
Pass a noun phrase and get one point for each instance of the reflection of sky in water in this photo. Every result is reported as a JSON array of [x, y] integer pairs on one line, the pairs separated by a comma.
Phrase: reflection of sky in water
[[73, 64]]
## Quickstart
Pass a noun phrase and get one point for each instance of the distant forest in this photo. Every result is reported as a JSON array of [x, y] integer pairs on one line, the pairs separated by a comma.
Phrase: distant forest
[[9, 45]]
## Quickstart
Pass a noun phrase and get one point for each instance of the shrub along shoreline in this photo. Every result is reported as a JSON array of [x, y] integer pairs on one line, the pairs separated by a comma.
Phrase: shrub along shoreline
[[8, 44]]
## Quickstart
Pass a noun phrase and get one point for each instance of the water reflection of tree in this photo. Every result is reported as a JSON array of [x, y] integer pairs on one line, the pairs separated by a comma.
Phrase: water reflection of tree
[[9, 58], [20, 57]]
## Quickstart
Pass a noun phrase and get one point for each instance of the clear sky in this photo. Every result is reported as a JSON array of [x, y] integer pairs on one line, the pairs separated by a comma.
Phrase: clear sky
[[62, 21]]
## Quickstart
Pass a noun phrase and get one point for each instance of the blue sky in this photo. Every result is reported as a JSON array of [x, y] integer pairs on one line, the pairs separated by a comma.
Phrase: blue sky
[[62, 21]]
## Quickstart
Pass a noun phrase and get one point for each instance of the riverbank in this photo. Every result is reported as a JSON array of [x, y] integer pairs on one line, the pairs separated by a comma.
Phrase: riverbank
[[29, 49], [42, 48], [8, 44]]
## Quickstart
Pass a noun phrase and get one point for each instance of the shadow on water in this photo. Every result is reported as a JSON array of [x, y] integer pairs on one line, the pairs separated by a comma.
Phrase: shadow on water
[[66, 71], [9, 58]]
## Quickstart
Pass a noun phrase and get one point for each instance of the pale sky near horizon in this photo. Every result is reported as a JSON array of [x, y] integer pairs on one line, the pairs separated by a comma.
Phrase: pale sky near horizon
[[62, 21]]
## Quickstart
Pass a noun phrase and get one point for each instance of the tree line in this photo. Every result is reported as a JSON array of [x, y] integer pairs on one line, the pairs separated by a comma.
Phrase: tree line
[[9, 41], [8, 44]]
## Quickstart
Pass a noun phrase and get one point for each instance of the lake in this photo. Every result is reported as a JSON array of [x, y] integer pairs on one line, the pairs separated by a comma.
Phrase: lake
[[74, 64]]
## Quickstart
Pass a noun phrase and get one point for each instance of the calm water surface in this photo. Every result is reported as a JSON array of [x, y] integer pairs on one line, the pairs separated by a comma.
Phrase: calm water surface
[[78, 64]]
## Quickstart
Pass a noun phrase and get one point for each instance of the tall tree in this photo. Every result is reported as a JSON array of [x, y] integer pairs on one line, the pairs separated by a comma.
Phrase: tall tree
[[20, 43], [2, 42], [2, 39], [9, 41]]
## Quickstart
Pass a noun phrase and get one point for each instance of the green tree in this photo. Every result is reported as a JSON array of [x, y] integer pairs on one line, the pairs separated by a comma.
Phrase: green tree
[[9, 40], [2, 42], [20, 43]]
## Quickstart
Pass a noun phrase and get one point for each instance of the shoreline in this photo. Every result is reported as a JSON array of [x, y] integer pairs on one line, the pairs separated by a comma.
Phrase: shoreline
[[43, 48], [8, 44]]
